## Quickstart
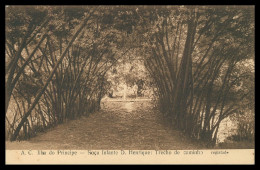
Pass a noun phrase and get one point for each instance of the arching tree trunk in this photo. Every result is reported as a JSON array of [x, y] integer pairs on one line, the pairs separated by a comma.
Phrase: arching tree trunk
[[37, 98]]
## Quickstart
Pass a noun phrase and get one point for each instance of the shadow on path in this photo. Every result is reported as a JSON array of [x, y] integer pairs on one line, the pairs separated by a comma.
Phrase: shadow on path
[[118, 125]]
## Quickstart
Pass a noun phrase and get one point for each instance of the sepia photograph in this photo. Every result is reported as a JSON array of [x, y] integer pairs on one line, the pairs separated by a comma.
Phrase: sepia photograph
[[130, 84]]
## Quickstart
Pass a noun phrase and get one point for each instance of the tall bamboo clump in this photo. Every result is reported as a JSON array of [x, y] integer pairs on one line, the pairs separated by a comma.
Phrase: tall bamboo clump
[[193, 55], [56, 61]]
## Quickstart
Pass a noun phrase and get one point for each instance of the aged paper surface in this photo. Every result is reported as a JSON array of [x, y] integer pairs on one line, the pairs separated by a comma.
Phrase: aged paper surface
[[229, 156]]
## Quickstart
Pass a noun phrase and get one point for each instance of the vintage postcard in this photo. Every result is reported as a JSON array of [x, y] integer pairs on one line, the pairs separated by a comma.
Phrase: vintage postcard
[[136, 84]]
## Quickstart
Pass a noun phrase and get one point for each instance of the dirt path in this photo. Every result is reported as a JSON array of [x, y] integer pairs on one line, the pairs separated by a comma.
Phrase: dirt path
[[118, 125]]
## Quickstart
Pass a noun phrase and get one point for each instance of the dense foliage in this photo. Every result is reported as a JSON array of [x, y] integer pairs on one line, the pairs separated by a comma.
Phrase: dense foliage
[[60, 62], [197, 57]]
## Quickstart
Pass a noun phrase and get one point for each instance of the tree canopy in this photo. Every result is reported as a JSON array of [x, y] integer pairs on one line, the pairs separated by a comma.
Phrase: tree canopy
[[60, 60]]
